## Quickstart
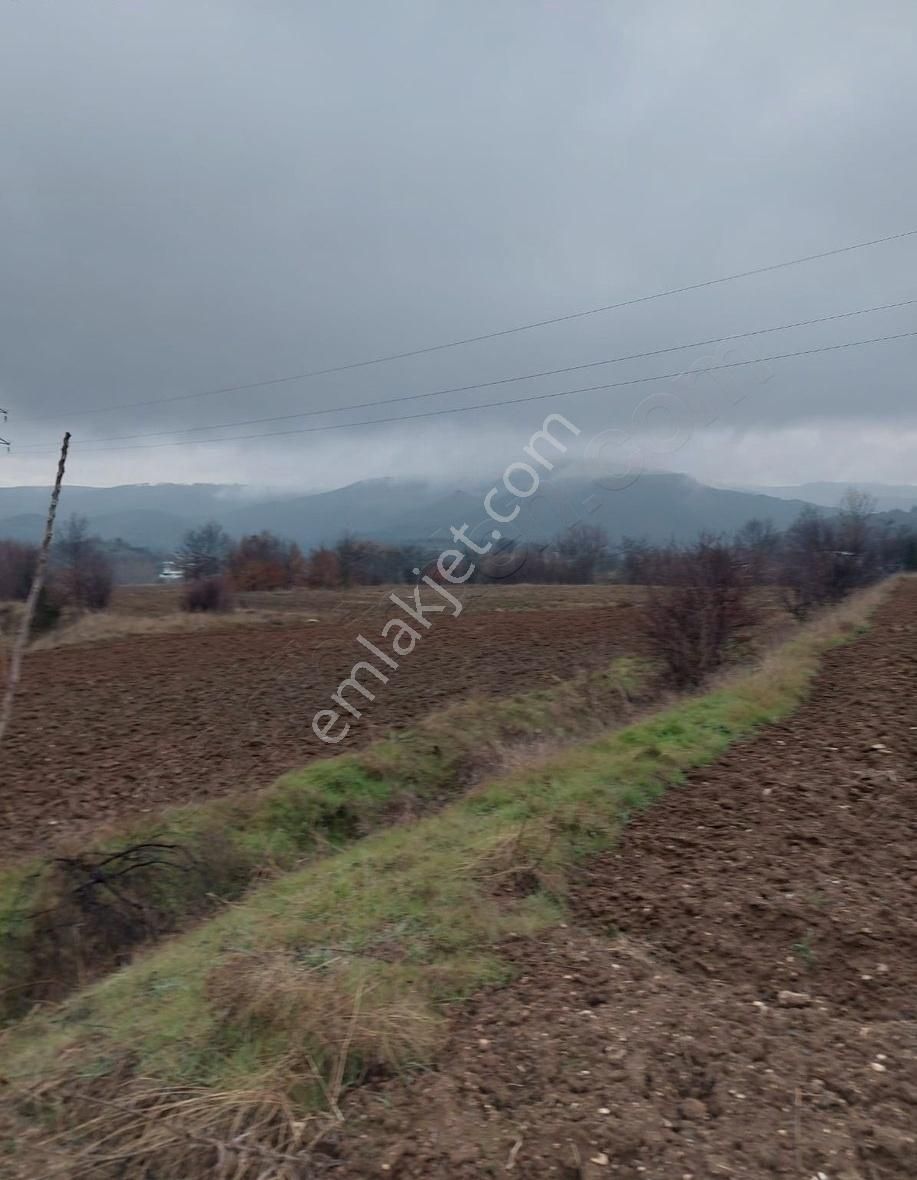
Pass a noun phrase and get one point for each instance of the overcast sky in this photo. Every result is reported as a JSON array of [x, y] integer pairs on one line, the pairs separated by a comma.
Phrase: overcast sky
[[195, 195]]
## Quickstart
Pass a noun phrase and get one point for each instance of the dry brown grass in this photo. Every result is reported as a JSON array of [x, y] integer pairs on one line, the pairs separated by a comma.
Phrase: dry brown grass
[[325, 997], [139, 611], [242, 1134], [105, 627], [258, 1132]]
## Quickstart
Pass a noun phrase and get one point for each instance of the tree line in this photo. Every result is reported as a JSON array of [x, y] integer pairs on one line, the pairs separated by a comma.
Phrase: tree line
[[817, 560], [700, 602], [214, 565]]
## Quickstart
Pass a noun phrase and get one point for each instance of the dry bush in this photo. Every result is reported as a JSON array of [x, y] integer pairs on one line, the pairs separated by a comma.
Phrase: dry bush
[[208, 594], [825, 558], [49, 611], [814, 571], [265, 562], [48, 614], [324, 568], [698, 608], [83, 575], [18, 562], [92, 909], [97, 582]]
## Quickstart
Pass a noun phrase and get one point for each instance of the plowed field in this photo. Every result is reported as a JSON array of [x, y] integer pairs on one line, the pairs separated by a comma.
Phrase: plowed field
[[737, 994], [125, 726]]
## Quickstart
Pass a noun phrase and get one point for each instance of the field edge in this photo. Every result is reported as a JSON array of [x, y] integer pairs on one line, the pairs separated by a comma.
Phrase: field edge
[[268, 1012]]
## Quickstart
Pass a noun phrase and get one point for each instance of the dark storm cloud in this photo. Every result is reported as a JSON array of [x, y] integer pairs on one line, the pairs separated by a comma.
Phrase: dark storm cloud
[[199, 194]]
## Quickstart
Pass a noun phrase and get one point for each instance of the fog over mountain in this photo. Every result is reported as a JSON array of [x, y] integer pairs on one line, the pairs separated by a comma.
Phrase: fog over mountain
[[656, 506], [887, 497]]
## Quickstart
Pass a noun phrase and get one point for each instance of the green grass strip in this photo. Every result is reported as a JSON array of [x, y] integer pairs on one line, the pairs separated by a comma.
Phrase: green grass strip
[[347, 963], [53, 933]]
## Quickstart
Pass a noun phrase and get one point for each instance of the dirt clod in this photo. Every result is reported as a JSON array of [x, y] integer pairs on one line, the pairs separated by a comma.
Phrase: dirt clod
[[788, 999]]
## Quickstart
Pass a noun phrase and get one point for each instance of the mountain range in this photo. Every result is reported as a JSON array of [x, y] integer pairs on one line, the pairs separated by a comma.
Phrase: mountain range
[[656, 506], [888, 497]]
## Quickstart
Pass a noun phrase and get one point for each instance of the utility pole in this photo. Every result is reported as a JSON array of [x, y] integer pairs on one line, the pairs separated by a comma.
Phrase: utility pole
[[38, 581]]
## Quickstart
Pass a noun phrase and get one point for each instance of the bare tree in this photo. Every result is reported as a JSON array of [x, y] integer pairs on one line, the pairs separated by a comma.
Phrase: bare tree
[[807, 567], [697, 608], [758, 543], [86, 575], [204, 552], [825, 558], [582, 546], [634, 559], [857, 534]]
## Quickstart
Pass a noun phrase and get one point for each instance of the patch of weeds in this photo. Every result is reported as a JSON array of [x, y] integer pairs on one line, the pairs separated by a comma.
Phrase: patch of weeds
[[805, 949]]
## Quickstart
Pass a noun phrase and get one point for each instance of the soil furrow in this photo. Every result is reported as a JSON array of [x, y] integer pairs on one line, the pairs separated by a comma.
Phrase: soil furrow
[[737, 993], [116, 729]]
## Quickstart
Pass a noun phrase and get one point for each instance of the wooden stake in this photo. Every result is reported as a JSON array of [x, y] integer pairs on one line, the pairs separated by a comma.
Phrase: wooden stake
[[19, 643]]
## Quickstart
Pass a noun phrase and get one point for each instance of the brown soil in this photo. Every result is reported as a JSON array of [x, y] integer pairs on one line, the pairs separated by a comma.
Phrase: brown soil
[[737, 994], [118, 728]]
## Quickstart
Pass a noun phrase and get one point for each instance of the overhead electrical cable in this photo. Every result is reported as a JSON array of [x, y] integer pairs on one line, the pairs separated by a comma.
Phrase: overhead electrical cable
[[412, 397], [527, 327], [504, 402]]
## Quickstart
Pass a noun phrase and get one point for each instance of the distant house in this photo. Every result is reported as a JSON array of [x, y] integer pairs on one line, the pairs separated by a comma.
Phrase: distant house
[[170, 572]]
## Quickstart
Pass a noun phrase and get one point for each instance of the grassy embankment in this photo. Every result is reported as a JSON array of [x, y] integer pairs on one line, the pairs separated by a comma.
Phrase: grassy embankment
[[263, 1015], [66, 918]]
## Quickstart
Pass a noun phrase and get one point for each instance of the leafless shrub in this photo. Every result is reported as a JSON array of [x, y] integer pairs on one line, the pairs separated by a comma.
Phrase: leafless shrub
[[697, 608], [83, 575], [18, 562], [208, 594], [758, 544], [581, 548], [826, 558], [86, 911], [49, 610], [204, 551]]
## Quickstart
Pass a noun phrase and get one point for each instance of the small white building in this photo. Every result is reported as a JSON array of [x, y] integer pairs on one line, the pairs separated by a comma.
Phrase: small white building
[[170, 572]]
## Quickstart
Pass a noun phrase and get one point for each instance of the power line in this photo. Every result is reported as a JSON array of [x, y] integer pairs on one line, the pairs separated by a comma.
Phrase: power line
[[561, 319], [500, 381], [506, 402]]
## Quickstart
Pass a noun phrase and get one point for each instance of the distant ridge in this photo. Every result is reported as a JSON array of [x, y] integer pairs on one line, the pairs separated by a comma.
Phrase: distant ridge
[[888, 497], [154, 516]]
